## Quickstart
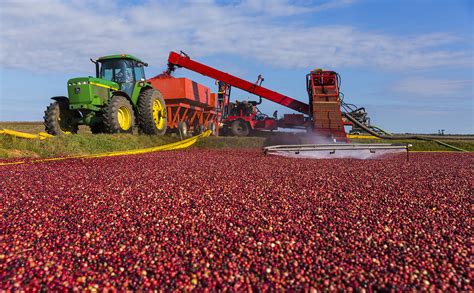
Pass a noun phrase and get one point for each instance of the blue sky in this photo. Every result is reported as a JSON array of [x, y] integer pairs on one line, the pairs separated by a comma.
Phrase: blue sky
[[409, 63]]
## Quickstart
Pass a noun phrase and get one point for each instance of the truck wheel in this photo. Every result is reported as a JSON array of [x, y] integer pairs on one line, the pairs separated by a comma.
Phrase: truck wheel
[[225, 131], [240, 128], [58, 119], [183, 129], [198, 129], [212, 127], [152, 115], [119, 116]]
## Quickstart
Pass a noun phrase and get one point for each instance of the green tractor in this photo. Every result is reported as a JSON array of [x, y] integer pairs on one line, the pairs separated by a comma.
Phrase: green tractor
[[114, 101]]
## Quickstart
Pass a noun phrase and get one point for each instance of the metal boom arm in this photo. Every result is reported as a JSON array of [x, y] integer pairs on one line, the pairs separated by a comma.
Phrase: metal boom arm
[[179, 60]]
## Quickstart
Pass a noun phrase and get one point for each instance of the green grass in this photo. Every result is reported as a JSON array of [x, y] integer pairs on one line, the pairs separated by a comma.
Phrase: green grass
[[83, 144], [421, 145], [80, 144], [30, 127], [86, 143], [33, 127]]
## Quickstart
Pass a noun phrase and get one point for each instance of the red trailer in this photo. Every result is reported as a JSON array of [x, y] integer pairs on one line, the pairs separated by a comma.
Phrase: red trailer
[[191, 107]]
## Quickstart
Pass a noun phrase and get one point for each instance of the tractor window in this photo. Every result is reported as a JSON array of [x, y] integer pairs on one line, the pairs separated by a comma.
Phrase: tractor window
[[139, 72], [117, 70], [107, 74]]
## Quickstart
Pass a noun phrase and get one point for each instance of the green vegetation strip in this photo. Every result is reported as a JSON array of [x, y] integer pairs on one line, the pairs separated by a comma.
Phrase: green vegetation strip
[[86, 143], [81, 144], [428, 145], [448, 145]]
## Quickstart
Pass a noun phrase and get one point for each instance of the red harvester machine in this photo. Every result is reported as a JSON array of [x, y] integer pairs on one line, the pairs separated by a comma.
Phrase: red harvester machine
[[322, 114]]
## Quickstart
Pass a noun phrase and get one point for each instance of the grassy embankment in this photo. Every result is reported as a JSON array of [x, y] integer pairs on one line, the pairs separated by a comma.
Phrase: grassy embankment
[[87, 143], [425, 146]]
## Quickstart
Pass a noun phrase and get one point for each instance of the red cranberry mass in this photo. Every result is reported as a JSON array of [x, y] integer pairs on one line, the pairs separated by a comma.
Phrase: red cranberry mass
[[237, 220]]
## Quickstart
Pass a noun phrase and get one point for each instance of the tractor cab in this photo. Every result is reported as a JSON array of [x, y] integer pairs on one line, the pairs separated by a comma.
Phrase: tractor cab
[[125, 70]]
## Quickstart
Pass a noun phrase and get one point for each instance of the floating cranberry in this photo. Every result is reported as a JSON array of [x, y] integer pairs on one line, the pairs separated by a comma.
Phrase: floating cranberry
[[237, 220]]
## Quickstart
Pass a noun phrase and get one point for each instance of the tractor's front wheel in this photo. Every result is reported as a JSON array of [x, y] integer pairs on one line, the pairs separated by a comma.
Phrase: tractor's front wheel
[[58, 119], [152, 114], [119, 116]]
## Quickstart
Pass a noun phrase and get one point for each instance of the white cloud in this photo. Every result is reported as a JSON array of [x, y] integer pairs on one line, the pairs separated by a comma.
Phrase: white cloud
[[285, 8], [60, 36], [426, 87]]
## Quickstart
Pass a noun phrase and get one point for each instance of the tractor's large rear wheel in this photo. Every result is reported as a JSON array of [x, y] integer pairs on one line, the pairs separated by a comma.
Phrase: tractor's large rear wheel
[[152, 114], [240, 128], [119, 116], [58, 119]]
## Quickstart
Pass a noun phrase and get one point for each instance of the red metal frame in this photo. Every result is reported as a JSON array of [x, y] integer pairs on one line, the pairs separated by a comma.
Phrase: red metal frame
[[176, 59], [323, 88], [192, 115], [266, 123]]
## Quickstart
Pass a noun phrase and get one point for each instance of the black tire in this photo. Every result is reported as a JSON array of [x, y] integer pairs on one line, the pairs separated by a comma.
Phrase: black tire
[[183, 129], [98, 128], [198, 129], [225, 131], [240, 128], [152, 121], [58, 119], [118, 105]]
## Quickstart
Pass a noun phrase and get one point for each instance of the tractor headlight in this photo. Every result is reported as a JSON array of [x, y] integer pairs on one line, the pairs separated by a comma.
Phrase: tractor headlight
[[78, 83]]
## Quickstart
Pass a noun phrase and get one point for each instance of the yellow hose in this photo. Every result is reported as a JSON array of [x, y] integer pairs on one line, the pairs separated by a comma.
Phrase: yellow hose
[[41, 135], [359, 136], [167, 147]]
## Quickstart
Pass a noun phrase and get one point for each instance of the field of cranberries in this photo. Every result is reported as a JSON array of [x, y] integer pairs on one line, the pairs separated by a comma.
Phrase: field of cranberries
[[237, 220]]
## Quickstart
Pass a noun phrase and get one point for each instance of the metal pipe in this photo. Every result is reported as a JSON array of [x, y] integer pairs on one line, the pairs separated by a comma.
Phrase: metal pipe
[[334, 147], [418, 137]]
